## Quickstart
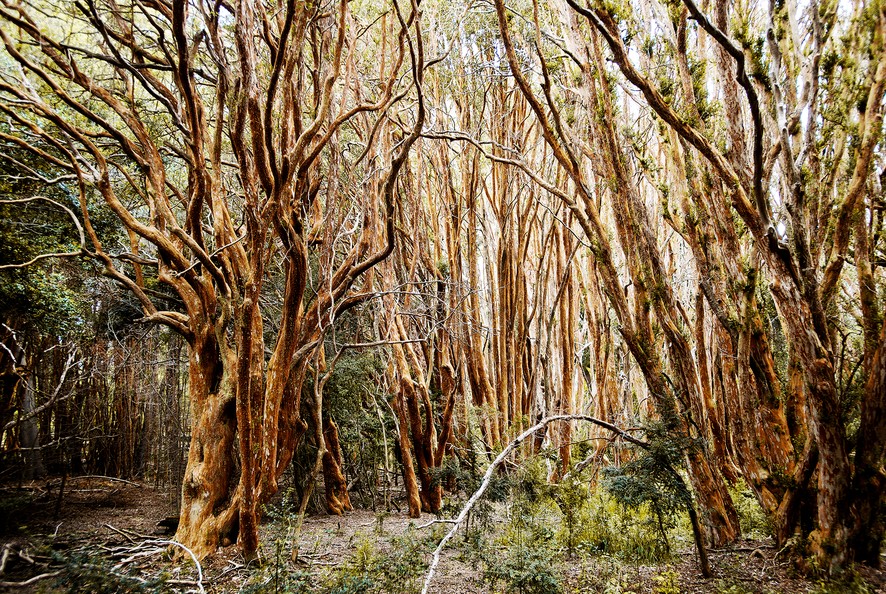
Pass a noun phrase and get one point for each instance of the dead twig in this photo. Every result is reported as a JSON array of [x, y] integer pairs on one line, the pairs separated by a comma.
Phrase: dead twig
[[107, 478], [4, 557], [139, 555], [193, 558], [234, 567], [120, 532], [432, 522], [10, 549], [30, 581], [159, 546]]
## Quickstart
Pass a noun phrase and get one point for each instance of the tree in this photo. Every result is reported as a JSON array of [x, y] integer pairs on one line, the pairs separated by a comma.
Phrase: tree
[[802, 277], [773, 275], [206, 128]]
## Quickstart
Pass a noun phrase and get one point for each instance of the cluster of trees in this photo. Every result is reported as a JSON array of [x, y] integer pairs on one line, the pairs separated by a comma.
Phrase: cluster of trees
[[635, 210], [82, 390]]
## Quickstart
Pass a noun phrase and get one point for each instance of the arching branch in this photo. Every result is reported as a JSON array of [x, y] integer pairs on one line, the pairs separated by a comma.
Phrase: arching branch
[[487, 478], [81, 252]]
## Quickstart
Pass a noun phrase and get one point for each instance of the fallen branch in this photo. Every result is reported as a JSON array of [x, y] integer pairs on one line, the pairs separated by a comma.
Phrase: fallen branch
[[487, 478], [4, 557], [28, 582], [107, 478], [155, 551], [120, 532], [9, 549], [432, 522], [193, 557], [138, 553]]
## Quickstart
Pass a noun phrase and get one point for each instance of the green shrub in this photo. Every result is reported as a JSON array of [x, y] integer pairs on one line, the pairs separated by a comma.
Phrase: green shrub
[[352, 585], [396, 571], [523, 557], [667, 582], [603, 526], [571, 496], [652, 480], [294, 582], [849, 583], [525, 569]]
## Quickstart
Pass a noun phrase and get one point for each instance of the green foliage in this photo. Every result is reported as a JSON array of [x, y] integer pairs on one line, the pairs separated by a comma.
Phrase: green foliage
[[48, 296], [605, 575], [607, 528], [570, 496], [352, 585], [526, 568], [651, 481], [353, 377], [849, 583], [651, 478], [351, 398], [667, 582], [524, 559], [753, 520], [707, 109], [42, 297], [277, 581], [523, 556], [754, 44], [396, 571], [463, 473]]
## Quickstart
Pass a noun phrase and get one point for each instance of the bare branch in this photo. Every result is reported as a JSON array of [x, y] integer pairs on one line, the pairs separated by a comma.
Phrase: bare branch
[[81, 252], [487, 478], [52, 399]]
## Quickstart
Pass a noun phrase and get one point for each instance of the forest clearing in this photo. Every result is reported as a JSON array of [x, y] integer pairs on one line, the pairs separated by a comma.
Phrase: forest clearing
[[400, 296]]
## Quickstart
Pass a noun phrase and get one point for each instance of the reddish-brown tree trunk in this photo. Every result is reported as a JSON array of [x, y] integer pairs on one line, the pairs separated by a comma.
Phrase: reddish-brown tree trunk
[[337, 498], [208, 518]]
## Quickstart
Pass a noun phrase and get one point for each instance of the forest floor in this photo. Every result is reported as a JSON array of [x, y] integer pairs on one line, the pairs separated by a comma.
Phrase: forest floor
[[105, 538]]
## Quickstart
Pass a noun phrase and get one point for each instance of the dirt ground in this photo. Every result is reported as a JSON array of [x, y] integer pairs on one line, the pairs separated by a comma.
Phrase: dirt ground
[[106, 527]]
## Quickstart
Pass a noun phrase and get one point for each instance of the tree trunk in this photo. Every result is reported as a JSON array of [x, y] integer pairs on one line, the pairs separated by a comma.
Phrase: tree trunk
[[410, 483], [337, 498], [28, 436], [869, 482], [209, 514]]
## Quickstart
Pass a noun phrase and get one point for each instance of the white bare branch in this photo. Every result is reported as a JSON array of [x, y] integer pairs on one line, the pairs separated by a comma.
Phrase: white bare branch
[[487, 478]]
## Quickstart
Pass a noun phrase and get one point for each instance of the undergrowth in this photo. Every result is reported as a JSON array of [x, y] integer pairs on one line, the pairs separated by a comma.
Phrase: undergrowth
[[396, 568], [90, 573]]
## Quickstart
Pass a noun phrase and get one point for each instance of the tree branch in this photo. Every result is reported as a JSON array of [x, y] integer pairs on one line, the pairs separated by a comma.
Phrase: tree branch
[[487, 478], [81, 252]]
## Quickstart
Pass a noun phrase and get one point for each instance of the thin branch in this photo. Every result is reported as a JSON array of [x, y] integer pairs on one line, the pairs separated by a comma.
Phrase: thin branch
[[742, 76], [52, 399], [487, 478], [28, 582], [81, 252], [193, 558]]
